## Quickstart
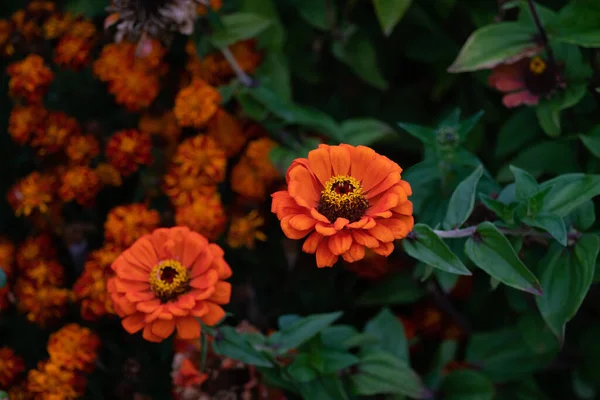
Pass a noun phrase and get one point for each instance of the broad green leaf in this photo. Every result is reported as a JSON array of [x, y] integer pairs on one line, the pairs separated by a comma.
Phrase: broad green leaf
[[359, 54], [335, 360], [234, 345], [504, 355], [239, 26], [286, 320], [302, 330], [301, 369], [569, 191], [381, 372], [390, 12], [577, 23], [525, 185], [467, 385], [494, 44], [424, 134], [427, 247], [467, 125], [553, 224], [364, 131], [274, 74], [584, 216], [317, 13], [390, 332], [518, 131], [274, 36], [337, 336], [566, 276], [491, 251], [548, 110], [536, 333], [462, 201], [399, 288], [328, 387], [592, 141], [502, 210], [445, 353], [87, 8]]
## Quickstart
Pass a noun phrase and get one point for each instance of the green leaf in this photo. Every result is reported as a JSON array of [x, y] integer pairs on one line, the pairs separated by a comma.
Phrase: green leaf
[[337, 336], [274, 74], [235, 346], [503, 211], [548, 110], [584, 216], [87, 8], [389, 330], [301, 370], [328, 387], [577, 23], [519, 130], [525, 185], [239, 26], [302, 330], [592, 141], [381, 372], [494, 44], [553, 224], [335, 360], [359, 54], [316, 13], [390, 12], [399, 288], [569, 191], [364, 131], [427, 247], [462, 201], [274, 36], [491, 251], [566, 276], [446, 352], [424, 134], [467, 385]]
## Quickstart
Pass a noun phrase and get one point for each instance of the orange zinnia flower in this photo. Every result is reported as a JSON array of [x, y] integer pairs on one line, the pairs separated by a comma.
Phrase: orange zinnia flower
[[54, 134], [24, 121], [82, 148], [52, 382], [244, 230], [254, 173], [11, 367], [196, 104], [29, 79], [168, 279], [32, 193], [227, 131], [128, 149], [34, 249], [90, 291], [346, 198], [73, 347], [125, 224], [205, 215], [80, 184], [7, 256]]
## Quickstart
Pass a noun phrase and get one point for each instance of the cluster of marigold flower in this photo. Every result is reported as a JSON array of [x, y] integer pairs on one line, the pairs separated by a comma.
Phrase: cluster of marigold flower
[[71, 356]]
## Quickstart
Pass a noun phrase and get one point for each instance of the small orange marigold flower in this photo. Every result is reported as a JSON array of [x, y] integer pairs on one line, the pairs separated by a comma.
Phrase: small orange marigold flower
[[7, 256], [128, 149], [164, 125], [244, 230], [80, 184], [73, 52], [254, 173], [54, 134], [32, 193], [113, 60], [42, 305], [74, 348], [44, 272], [125, 224], [345, 199], [29, 79], [83, 29], [109, 175], [135, 89], [57, 25], [52, 382], [246, 55], [196, 104], [227, 131], [24, 121], [34, 249], [6, 31], [167, 280], [90, 291], [81, 149], [11, 367], [205, 215]]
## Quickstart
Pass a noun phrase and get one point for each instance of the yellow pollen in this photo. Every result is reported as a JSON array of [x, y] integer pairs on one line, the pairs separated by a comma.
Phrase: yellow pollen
[[537, 65], [342, 197], [169, 279]]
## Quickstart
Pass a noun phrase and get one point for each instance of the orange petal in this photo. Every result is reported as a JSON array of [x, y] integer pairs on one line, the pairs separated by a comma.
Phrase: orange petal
[[362, 159], [325, 258], [111, 20], [194, 245], [158, 238], [125, 305], [320, 164], [399, 227], [362, 237], [222, 294], [200, 309], [290, 231], [142, 254], [340, 223], [385, 203], [214, 315], [148, 306], [382, 233], [406, 186], [318, 216], [187, 328], [133, 323], [405, 208], [202, 294], [206, 280], [325, 229], [303, 188], [163, 328], [223, 269], [356, 253], [176, 311], [139, 296], [186, 301], [384, 249], [302, 222], [340, 242], [340, 160], [127, 271], [377, 172], [202, 263], [311, 243], [127, 286], [151, 337], [386, 184]]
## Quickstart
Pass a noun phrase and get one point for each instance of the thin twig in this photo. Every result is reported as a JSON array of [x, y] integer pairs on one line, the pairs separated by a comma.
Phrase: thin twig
[[542, 32], [243, 77], [470, 231]]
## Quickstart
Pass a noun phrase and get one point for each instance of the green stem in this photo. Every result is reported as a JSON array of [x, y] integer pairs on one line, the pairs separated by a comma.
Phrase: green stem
[[243, 77]]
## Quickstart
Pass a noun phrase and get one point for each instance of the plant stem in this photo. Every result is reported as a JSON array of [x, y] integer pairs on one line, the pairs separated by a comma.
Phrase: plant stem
[[467, 232], [239, 72], [542, 32]]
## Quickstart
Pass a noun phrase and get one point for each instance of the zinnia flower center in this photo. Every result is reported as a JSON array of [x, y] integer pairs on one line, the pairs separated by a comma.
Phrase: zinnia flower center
[[169, 279], [540, 78], [342, 197]]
